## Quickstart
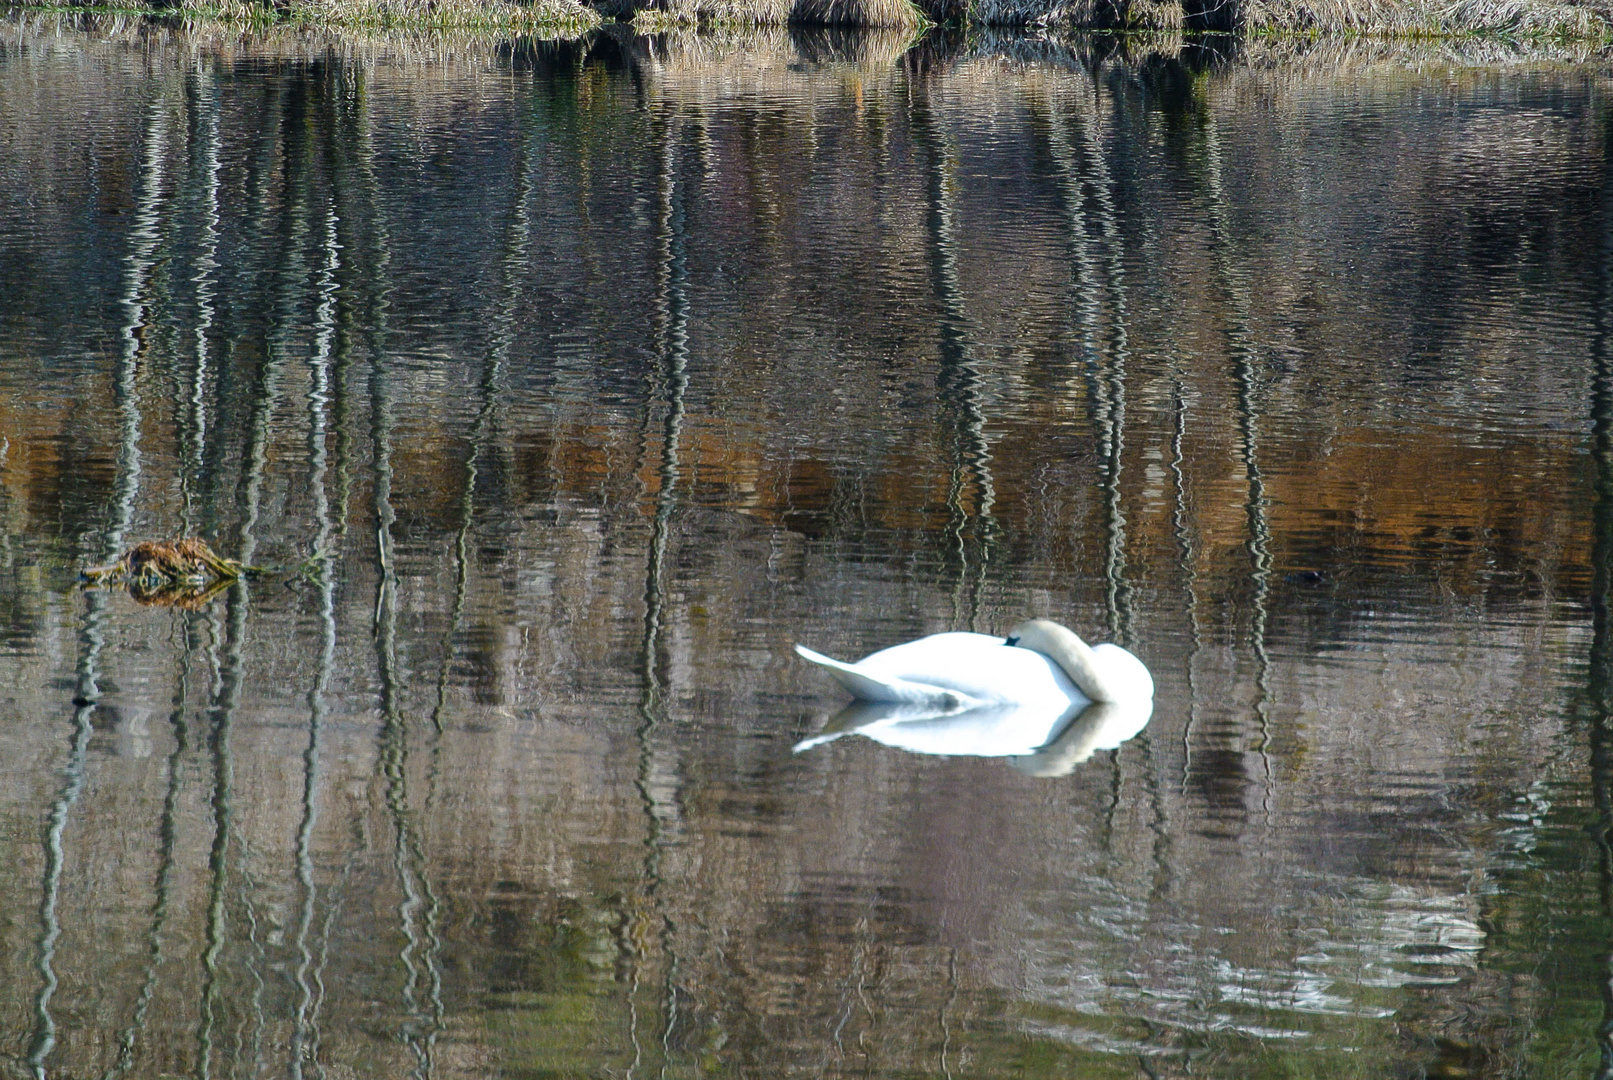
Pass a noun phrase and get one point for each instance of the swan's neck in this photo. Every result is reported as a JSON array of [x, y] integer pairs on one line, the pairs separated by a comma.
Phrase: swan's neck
[[1070, 653]]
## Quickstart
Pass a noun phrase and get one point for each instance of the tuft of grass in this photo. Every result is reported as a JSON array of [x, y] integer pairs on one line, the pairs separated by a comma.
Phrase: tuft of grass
[[683, 14], [1133, 15], [663, 21], [895, 14], [685, 59]]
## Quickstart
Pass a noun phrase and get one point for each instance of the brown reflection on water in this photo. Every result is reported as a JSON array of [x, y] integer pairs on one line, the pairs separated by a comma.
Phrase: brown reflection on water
[[594, 375]]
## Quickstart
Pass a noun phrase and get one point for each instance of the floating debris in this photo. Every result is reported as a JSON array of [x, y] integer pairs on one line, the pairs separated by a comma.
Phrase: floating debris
[[177, 573]]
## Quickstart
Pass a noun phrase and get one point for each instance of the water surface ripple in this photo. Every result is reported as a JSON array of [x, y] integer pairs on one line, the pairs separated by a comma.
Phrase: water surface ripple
[[584, 379]]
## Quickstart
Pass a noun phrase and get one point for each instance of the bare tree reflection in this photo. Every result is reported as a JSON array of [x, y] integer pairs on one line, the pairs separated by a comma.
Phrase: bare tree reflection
[[1601, 598], [138, 303], [1245, 358], [658, 772], [958, 379]]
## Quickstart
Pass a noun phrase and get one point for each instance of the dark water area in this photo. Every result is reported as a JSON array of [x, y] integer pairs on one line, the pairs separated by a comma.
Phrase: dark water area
[[583, 380]]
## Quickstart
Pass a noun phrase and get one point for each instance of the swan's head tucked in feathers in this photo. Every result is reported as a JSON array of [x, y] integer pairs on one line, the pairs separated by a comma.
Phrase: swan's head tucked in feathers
[[1106, 673]]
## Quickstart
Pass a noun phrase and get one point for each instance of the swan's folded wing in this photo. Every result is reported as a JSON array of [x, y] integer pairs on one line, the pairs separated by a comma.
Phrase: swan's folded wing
[[866, 687]]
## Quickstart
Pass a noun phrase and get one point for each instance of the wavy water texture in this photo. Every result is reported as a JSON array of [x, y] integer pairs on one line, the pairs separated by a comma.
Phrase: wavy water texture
[[588, 376]]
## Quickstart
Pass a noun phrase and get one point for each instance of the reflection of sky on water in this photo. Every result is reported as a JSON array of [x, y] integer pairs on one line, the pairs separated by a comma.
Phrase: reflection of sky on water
[[1381, 944]]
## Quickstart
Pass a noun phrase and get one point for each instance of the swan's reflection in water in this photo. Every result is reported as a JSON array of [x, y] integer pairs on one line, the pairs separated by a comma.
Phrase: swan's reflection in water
[[1036, 741]]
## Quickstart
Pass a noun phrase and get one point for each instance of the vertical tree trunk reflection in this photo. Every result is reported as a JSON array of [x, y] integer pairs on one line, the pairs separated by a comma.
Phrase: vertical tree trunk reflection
[[1600, 675], [658, 778], [1245, 375], [138, 306], [202, 93], [958, 378], [304, 1048], [1088, 193]]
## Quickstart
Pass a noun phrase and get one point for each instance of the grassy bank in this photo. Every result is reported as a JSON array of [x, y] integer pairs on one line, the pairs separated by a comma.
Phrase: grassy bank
[[1563, 19], [796, 61], [1422, 18], [565, 18], [679, 14], [1509, 23]]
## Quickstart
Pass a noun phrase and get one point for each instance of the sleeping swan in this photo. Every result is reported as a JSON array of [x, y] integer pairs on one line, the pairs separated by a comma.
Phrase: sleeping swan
[[1044, 667], [1047, 705]]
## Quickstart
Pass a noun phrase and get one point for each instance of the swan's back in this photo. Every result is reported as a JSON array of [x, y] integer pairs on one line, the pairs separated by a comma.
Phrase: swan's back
[[970, 668]]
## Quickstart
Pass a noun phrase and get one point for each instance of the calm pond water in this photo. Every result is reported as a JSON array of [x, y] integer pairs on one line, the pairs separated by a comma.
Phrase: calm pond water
[[593, 376]]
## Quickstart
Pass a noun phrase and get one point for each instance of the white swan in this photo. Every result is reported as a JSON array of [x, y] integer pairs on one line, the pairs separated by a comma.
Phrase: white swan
[[1050, 703], [1050, 669]]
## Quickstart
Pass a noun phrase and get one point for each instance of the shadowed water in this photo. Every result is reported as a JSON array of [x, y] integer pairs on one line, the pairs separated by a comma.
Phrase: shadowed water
[[582, 380]]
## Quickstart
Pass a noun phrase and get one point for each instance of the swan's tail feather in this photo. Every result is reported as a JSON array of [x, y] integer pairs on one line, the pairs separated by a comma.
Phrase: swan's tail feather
[[866, 687], [819, 740]]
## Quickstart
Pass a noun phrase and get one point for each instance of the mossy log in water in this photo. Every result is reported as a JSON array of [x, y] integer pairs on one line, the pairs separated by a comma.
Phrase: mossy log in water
[[178, 573]]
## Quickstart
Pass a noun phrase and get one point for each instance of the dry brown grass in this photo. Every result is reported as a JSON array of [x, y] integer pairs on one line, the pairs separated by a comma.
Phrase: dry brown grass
[[1391, 18], [1545, 18], [569, 14], [1280, 60], [1309, 33], [561, 15], [482, 16], [1561, 19], [758, 63], [1304, 56], [894, 14], [1094, 14], [887, 14], [447, 50]]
